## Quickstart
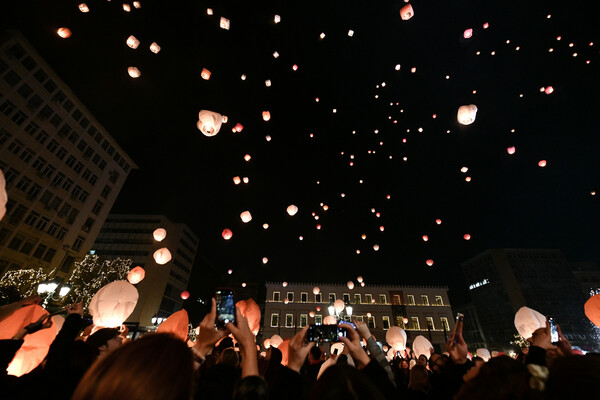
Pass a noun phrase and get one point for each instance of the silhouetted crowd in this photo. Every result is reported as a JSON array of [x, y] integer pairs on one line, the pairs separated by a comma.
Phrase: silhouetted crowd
[[82, 365]]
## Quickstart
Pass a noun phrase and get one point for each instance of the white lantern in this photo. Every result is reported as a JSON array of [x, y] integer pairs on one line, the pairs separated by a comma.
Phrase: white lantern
[[407, 12], [133, 42], [209, 122], [84, 8], [3, 195], [359, 279], [316, 290], [484, 353], [162, 256], [422, 346], [113, 303], [224, 23], [350, 285], [134, 72], [126, 7], [466, 114], [160, 234], [528, 321], [277, 19], [276, 340], [137, 4], [266, 115], [154, 47], [396, 338], [246, 216], [292, 210]]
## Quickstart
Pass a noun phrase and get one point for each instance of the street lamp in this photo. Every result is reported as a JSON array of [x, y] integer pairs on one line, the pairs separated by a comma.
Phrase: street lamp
[[339, 314], [157, 320], [49, 289]]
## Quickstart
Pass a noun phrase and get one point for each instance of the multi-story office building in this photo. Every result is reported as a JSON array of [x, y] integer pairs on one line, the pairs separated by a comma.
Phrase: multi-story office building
[[472, 331], [63, 170], [503, 280], [587, 276], [419, 310], [130, 236]]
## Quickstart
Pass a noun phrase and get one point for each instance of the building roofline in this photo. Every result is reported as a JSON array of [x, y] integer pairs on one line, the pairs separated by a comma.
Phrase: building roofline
[[366, 285]]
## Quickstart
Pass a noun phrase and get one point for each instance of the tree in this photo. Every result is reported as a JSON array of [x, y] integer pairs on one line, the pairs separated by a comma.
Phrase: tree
[[519, 342], [23, 281]]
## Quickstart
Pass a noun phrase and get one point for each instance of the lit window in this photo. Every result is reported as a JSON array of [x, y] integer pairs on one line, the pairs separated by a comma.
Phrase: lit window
[[430, 324], [382, 299], [276, 296], [371, 322], [274, 320], [290, 296], [289, 320], [439, 301], [445, 323], [368, 298], [424, 300], [357, 299], [386, 323], [318, 298], [303, 320], [332, 297], [415, 323], [318, 319], [410, 300], [304, 297]]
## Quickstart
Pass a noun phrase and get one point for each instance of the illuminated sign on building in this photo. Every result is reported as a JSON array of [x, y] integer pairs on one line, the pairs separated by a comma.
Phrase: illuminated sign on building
[[478, 284]]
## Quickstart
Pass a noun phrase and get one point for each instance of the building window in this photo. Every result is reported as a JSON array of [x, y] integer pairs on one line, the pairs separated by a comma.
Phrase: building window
[[97, 207], [67, 184], [318, 319], [359, 318], [87, 225], [303, 320], [61, 233], [78, 243], [303, 297], [48, 171], [400, 322], [276, 296], [38, 164], [290, 296], [15, 147], [39, 252], [357, 299], [83, 196], [371, 322], [430, 324], [424, 300], [32, 218], [49, 255], [346, 298], [368, 298], [415, 323], [27, 247], [76, 191], [105, 191], [386, 322], [318, 298], [382, 299], [19, 118], [61, 153], [410, 299], [289, 320], [439, 301], [53, 228], [93, 180], [332, 297], [16, 241], [52, 146], [445, 323], [42, 223]]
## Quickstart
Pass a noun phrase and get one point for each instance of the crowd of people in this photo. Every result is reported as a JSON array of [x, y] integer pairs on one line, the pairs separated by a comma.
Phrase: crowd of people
[[225, 364]]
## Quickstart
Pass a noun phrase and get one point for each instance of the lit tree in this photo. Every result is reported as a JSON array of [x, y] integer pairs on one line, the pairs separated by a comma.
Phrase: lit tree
[[520, 342], [92, 273], [24, 281]]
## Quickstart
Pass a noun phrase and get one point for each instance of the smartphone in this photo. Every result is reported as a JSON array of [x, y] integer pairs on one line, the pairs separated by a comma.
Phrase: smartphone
[[324, 333], [553, 330], [225, 307], [348, 323], [335, 351], [459, 321]]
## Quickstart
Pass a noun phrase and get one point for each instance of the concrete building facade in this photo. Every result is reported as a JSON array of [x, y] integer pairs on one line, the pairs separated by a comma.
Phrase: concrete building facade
[[130, 236], [413, 308], [63, 170]]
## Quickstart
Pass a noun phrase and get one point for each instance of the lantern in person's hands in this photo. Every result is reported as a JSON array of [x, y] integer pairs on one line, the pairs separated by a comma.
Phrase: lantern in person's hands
[[159, 234], [162, 256], [209, 122], [396, 337], [407, 12], [113, 304], [592, 309], [276, 340], [528, 321], [466, 114], [250, 310], [136, 275], [177, 324], [422, 346], [3, 196], [484, 353]]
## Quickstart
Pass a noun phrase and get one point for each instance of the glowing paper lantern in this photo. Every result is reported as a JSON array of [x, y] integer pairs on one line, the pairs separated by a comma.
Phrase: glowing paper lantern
[[209, 122], [350, 285], [224, 23], [396, 338], [484, 353], [64, 33], [276, 340], [162, 256], [177, 324], [136, 275], [592, 309], [466, 114], [542, 163], [421, 346], [84, 8], [425, 238], [438, 221], [265, 260], [311, 314], [246, 216], [227, 234], [237, 180], [528, 321], [468, 33], [137, 4], [295, 67], [267, 343], [316, 290], [359, 279], [329, 320], [134, 72], [184, 295], [429, 262], [464, 170], [266, 115], [209, 11], [549, 90], [466, 236], [268, 83], [405, 320], [339, 305], [277, 19], [407, 12], [3, 195], [284, 284], [159, 234], [292, 210], [126, 7], [238, 127], [486, 25], [246, 179], [265, 226], [511, 150], [133, 42], [376, 247], [113, 303], [318, 308], [154, 47], [250, 310], [205, 74]]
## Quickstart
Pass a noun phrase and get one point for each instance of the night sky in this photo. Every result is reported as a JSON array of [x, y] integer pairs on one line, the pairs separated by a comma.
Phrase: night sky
[[509, 202]]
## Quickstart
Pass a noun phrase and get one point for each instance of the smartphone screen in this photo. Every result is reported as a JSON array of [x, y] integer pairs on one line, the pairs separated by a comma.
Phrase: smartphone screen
[[324, 333], [553, 330], [348, 323], [225, 307]]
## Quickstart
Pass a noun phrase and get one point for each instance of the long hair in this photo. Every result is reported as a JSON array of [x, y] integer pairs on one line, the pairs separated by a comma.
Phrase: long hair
[[419, 379], [342, 382], [157, 366]]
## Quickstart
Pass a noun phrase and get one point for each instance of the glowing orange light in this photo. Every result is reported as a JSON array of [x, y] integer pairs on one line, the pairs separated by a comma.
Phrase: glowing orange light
[[227, 234], [429, 262], [64, 33]]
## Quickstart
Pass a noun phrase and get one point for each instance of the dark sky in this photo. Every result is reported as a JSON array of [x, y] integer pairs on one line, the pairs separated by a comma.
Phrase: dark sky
[[510, 201]]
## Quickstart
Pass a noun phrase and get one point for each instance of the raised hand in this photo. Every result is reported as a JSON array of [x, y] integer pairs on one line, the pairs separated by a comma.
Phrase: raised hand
[[208, 335], [456, 346], [353, 343], [298, 350]]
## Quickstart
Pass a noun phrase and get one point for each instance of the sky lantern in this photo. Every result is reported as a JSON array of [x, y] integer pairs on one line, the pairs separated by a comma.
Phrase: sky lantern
[[267, 343], [295, 67], [592, 309], [318, 308], [350, 285], [249, 309], [3, 196], [359, 279], [266, 115], [205, 74], [484, 353], [84, 8], [329, 320], [464, 170], [238, 127], [237, 180], [247, 157], [425, 238], [162, 256], [268, 83], [542, 163], [246, 216], [154, 47], [311, 314], [407, 12], [339, 305], [316, 290], [276, 340], [136, 275], [438, 221], [382, 228], [284, 284], [292, 210], [227, 234], [132, 42], [209, 11], [209, 122], [511, 150], [159, 234], [185, 295], [396, 338], [113, 304], [421, 346], [64, 33], [468, 33], [277, 19], [177, 324], [466, 114], [134, 72], [466, 236], [486, 25], [224, 23], [528, 321], [265, 226], [429, 262], [275, 54], [376, 247], [265, 260], [126, 7], [286, 301], [137, 4], [548, 90]]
